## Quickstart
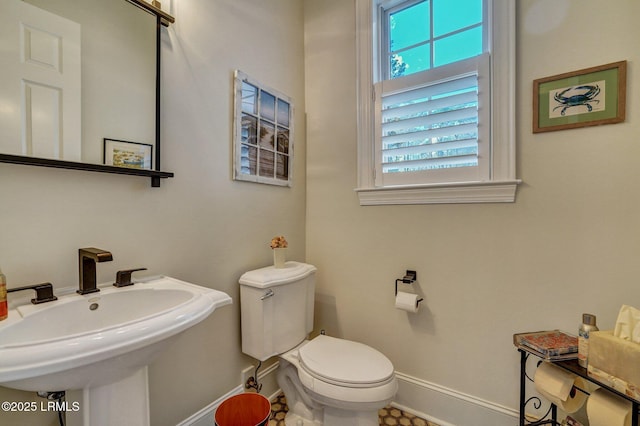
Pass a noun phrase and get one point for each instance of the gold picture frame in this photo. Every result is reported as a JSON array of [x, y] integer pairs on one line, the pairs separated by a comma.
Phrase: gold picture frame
[[588, 97]]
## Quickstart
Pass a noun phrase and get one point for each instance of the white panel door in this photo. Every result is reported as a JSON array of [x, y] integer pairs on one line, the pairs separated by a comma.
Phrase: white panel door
[[40, 88]]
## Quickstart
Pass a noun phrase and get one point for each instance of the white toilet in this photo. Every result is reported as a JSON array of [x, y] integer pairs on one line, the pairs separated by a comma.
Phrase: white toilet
[[325, 380]]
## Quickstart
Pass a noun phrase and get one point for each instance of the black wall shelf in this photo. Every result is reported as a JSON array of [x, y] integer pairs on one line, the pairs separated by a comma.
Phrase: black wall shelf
[[72, 165]]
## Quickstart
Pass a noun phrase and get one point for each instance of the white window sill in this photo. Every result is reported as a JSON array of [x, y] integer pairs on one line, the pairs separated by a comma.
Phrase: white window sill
[[447, 193]]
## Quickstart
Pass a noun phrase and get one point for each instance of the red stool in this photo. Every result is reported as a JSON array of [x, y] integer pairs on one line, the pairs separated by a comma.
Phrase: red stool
[[246, 409]]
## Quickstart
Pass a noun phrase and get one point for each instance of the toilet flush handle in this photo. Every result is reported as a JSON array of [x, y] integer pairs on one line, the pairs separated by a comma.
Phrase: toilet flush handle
[[268, 294]]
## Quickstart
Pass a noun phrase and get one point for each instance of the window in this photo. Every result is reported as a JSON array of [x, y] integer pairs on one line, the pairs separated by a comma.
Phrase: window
[[421, 35], [263, 129], [440, 127]]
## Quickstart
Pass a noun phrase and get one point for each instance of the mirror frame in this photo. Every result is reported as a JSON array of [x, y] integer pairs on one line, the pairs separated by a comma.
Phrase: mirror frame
[[162, 19]]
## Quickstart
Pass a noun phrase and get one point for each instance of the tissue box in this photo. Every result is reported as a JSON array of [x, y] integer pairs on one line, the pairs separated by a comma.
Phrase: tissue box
[[614, 382], [613, 356]]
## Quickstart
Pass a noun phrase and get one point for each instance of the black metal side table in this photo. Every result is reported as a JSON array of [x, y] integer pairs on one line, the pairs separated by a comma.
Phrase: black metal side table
[[551, 416]]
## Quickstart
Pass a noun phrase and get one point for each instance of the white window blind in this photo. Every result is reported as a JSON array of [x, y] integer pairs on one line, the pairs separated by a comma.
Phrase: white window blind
[[427, 125]]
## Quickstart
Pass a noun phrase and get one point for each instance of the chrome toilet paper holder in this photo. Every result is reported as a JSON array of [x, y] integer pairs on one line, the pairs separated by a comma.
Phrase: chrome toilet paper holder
[[409, 278]]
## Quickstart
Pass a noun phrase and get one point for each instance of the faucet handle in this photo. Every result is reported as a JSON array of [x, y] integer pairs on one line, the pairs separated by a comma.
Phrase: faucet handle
[[123, 278], [44, 292]]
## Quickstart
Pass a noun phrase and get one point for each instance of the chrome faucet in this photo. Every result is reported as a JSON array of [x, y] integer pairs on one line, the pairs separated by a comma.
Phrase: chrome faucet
[[87, 258]]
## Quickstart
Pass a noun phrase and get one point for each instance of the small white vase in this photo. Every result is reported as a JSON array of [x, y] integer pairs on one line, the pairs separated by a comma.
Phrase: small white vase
[[279, 257]]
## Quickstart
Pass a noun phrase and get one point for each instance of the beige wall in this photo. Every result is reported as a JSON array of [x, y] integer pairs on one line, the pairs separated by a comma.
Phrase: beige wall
[[199, 226], [570, 243]]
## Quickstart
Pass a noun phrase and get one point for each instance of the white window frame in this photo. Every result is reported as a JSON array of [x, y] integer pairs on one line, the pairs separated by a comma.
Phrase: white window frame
[[501, 184]]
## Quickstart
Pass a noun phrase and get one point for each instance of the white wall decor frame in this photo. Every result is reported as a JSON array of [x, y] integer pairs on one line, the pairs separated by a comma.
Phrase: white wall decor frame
[[262, 133]]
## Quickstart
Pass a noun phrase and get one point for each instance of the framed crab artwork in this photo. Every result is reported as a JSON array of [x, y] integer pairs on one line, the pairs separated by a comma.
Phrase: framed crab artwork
[[587, 97]]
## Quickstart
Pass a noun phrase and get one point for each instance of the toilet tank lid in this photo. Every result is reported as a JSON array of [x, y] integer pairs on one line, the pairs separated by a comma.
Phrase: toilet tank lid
[[270, 276]]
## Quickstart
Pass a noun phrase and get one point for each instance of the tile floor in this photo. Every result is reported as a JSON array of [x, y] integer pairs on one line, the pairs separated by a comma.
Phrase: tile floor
[[388, 416]]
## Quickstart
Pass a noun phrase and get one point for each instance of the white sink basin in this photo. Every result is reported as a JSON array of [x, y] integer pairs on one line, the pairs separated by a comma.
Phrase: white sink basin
[[86, 341]]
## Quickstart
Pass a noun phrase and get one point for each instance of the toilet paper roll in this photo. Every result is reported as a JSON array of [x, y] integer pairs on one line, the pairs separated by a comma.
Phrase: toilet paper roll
[[555, 384], [407, 301], [607, 409]]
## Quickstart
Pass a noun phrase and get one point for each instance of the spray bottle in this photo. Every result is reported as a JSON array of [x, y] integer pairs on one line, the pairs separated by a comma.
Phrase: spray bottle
[[4, 310], [588, 325]]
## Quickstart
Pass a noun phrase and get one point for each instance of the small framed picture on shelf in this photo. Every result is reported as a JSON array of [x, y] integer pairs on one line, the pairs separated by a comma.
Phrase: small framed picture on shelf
[[587, 97], [132, 155]]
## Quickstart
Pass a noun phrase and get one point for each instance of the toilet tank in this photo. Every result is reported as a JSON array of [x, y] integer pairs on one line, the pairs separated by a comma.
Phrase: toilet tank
[[276, 307]]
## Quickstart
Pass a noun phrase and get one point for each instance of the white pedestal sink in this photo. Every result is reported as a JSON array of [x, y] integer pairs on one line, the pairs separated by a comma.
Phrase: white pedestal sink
[[97, 346]]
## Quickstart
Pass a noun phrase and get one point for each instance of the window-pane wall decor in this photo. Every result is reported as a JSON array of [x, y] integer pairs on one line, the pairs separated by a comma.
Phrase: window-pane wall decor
[[263, 133]]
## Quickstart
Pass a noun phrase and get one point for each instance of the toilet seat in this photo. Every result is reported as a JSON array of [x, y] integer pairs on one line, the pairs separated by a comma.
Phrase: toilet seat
[[345, 363], [344, 374]]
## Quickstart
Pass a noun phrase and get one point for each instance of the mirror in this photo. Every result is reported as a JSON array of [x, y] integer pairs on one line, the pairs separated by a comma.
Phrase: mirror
[[114, 97]]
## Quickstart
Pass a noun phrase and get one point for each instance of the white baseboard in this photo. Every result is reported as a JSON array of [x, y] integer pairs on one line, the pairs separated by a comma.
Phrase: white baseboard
[[204, 417], [438, 404]]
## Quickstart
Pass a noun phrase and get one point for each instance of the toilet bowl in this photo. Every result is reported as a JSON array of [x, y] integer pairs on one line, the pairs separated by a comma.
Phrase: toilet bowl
[[325, 380], [335, 382]]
